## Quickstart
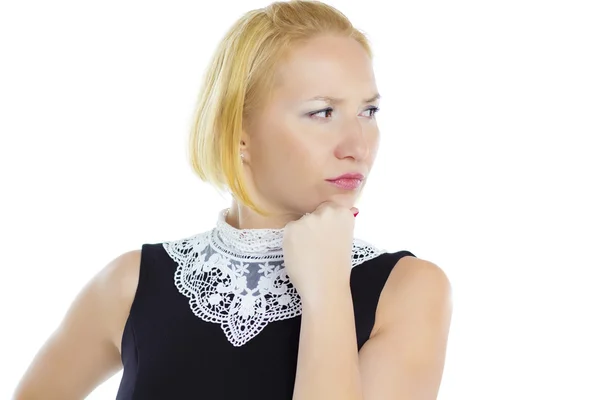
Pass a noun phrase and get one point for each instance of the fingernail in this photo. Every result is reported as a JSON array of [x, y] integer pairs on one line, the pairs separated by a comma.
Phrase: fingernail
[[355, 214]]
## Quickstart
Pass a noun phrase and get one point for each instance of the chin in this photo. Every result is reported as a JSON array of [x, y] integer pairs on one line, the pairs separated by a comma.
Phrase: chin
[[346, 199]]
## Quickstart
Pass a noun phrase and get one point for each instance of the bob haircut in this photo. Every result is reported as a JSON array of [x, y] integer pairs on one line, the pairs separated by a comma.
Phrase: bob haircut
[[239, 80]]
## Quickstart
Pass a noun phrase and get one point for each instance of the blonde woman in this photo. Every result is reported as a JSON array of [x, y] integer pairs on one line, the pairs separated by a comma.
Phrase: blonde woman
[[278, 300]]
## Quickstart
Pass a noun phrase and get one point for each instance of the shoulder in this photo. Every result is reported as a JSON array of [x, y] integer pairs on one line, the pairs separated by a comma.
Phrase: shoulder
[[121, 267], [416, 274], [117, 284], [82, 352], [118, 279], [414, 286]]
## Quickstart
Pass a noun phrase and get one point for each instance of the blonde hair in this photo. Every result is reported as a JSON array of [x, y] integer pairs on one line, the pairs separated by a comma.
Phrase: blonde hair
[[239, 80]]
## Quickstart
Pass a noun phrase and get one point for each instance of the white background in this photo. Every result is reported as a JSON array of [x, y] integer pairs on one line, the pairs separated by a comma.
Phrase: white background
[[489, 167]]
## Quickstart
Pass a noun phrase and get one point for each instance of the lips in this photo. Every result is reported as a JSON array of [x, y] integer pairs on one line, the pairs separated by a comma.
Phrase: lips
[[348, 176], [349, 181]]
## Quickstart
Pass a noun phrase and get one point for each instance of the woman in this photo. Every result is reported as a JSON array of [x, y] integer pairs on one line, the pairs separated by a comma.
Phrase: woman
[[278, 301]]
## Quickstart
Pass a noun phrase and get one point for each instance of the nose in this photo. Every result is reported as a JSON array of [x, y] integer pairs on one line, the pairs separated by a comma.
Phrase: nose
[[355, 140]]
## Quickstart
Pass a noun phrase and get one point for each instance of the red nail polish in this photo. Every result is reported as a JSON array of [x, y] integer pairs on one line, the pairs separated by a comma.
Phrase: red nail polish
[[355, 214]]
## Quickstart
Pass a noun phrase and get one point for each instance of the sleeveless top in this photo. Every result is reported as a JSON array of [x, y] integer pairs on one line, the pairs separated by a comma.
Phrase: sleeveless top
[[206, 323]]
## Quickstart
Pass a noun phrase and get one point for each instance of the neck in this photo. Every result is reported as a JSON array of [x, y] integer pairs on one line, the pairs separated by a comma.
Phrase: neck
[[242, 217]]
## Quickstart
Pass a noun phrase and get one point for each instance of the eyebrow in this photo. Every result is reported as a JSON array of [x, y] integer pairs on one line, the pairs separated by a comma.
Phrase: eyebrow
[[334, 100]]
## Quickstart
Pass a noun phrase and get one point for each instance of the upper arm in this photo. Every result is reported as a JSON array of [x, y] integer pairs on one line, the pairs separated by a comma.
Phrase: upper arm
[[405, 357], [81, 353]]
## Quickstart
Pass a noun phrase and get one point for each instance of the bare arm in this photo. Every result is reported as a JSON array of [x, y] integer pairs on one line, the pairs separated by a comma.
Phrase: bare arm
[[404, 359], [328, 364], [83, 352]]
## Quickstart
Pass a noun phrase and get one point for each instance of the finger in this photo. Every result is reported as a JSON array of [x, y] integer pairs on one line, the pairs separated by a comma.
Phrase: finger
[[323, 206]]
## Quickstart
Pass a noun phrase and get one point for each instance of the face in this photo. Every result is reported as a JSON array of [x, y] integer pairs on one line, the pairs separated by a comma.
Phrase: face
[[296, 142]]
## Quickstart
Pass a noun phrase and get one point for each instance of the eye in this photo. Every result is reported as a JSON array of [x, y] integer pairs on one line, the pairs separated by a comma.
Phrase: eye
[[327, 110], [373, 111]]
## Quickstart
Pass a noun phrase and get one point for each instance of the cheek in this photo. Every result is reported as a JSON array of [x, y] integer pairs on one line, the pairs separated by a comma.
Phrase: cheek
[[295, 162], [299, 160], [290, 149], [374, 150], [277, 157], [374, 146], [294, 148]]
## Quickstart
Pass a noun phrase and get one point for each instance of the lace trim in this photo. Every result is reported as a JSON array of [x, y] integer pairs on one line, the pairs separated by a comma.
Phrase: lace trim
[[248, 240], [243, 292]]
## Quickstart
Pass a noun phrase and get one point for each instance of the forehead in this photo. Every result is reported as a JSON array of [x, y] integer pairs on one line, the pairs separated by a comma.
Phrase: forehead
[[328, 66]]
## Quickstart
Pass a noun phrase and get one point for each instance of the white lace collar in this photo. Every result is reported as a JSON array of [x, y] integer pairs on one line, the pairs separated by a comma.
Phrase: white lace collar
[[236, 277]]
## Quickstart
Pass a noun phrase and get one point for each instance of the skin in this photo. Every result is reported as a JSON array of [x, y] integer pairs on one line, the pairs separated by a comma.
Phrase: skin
[[288, 156]]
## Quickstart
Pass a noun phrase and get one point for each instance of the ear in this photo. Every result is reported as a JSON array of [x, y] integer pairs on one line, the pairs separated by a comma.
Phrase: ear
[[243, 146]]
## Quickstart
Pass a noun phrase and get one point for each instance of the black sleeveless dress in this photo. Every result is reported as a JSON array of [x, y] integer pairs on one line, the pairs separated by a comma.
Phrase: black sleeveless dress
[[168, 353]]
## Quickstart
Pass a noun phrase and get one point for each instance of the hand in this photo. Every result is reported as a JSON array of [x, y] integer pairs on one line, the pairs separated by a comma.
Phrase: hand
[[317, 250]]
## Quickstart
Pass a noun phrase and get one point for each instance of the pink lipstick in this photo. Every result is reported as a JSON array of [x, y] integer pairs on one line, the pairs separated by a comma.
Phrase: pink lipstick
[[347, 181]]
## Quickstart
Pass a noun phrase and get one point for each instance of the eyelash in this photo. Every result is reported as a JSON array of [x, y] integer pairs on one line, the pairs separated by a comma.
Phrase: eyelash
[[373, 109]]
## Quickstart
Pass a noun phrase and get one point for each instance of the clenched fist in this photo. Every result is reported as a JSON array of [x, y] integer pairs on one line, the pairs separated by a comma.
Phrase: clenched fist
[[317, 250]]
